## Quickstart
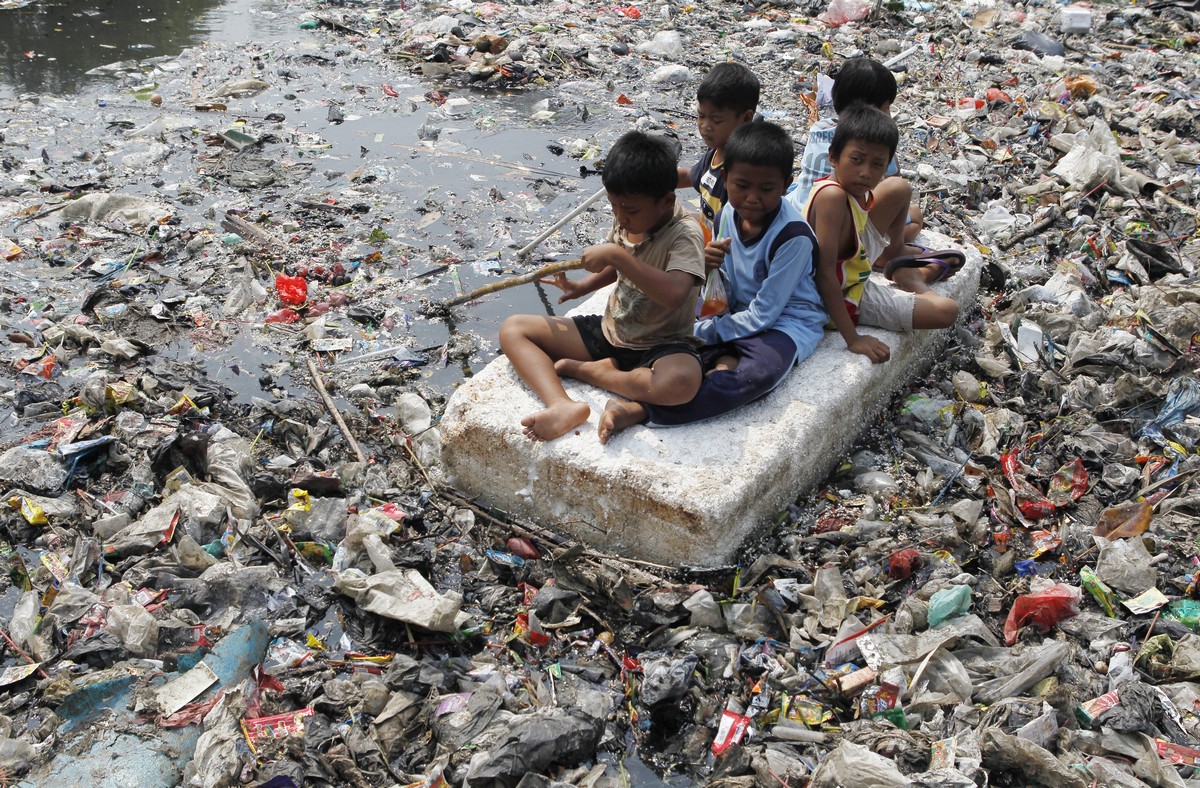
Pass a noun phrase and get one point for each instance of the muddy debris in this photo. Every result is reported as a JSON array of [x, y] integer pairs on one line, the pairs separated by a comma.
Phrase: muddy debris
[[231, 556]]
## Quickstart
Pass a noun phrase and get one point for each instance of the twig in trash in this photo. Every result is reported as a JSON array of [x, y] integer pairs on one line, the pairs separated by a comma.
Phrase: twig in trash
[[523, 279], [333, 411], [1154, 623], [952, 479], [1030, 231], [603, 621], [41, 214], [235, 224]]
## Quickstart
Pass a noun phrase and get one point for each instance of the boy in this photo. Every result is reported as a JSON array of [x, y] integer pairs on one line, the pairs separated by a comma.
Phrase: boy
[[766, 255], [837, 208], [726, 98], [655, 255], [868, 81]]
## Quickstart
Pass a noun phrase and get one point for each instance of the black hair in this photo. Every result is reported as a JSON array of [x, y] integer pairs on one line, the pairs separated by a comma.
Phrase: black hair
[[761, 144], [640, 163], [730, 86], [861, 122], [863, 79]]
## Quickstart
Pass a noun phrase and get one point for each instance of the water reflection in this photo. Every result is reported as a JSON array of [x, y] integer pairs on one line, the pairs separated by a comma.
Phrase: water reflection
[[47, 47]]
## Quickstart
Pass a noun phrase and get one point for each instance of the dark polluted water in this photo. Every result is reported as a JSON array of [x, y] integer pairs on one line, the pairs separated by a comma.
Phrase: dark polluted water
[[48, 48], [77, 77]]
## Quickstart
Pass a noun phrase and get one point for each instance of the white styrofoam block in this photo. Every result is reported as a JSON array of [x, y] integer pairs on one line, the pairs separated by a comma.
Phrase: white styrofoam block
[[686, 495]]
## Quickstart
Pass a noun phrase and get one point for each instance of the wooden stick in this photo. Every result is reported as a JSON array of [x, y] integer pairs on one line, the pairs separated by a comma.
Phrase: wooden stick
[[1031, 231], [523, 279], [552, 229], [236, 224], [333, 411]]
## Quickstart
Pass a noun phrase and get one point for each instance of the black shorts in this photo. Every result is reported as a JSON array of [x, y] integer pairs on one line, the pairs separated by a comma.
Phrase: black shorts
[[598, 346]]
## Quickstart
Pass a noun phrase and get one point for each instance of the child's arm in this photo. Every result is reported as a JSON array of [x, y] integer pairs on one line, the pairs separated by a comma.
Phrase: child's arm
[[830, 218], [790, 262], [685, 179], [668, 289]]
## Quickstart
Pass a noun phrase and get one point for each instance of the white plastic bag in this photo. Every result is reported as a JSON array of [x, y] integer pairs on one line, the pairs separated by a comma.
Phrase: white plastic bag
[[840, 12]]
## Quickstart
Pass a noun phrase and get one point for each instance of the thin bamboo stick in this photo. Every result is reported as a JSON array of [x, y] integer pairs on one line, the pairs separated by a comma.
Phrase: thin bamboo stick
[[523, 279]]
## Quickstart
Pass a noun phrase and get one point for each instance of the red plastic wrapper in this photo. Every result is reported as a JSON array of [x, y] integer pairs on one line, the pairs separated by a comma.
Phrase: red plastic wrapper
[[731, 731], [1030, 501], [1069, 483], [903, 563], [1177, 754], [1043, 609], [274, 727], [293, 290]]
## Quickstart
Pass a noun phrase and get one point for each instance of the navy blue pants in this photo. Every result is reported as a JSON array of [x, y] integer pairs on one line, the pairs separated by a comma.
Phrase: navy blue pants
[[763, 361]]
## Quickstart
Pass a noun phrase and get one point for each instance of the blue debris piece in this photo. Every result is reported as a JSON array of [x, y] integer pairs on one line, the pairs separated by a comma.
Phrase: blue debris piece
[[111, 747]]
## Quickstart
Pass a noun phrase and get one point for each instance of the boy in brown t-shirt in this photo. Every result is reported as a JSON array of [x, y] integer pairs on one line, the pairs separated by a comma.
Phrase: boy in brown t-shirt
[[642, 347]]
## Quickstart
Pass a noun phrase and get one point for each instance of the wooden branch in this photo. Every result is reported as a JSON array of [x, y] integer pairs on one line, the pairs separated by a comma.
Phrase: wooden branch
[[333, 411], [1030, 231], [235, 224], [523, 279]]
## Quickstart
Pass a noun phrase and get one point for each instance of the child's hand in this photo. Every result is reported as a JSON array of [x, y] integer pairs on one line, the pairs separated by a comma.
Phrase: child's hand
[[597, 258], [870, 347], [714, 253], [570, 288]]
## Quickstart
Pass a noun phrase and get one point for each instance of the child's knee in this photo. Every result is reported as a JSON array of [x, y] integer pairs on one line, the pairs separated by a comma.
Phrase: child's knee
[[676, 384], [514, 328], [895, 186]]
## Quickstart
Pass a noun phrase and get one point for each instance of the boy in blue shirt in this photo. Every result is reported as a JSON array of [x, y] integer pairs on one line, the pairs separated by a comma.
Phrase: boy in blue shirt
[[775, 319], [726, 99]]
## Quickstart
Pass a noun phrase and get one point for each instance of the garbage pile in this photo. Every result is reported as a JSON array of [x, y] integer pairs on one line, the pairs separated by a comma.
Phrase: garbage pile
[[999, 586]]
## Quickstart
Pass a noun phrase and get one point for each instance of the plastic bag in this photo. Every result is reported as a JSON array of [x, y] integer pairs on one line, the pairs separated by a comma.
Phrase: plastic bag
[[949, 603], [998, 673], [840, 12], [292, 290], [1043, 609], [714, 300], [1124, 564], [136, 627], [941, 679]]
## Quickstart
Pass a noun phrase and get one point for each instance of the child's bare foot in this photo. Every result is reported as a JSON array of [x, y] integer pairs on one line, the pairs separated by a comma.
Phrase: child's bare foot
[[558, 419], [585, 371], [619, 414]]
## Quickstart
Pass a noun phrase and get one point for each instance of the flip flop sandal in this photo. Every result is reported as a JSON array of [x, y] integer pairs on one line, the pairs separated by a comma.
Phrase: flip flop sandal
[[948, 260]]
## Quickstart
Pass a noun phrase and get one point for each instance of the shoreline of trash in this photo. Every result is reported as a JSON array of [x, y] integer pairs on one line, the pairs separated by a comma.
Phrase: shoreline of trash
[[999, 586]]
